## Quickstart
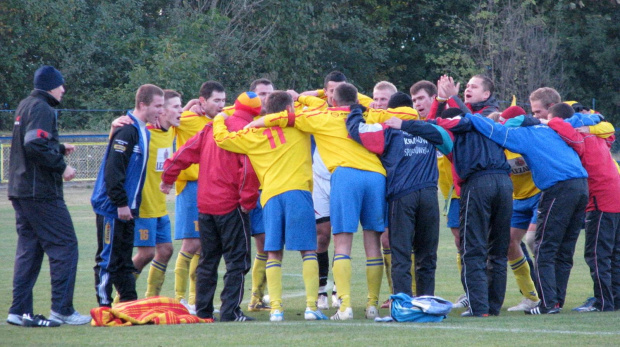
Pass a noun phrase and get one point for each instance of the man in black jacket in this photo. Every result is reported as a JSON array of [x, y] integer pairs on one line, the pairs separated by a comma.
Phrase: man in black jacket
[[36, 170]]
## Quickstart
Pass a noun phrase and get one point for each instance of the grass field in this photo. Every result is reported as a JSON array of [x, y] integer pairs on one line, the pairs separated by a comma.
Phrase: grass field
[[511, 328]]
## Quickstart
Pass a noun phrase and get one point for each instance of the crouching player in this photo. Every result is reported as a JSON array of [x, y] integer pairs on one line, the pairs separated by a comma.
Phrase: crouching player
[[411, 165], [281, 159]]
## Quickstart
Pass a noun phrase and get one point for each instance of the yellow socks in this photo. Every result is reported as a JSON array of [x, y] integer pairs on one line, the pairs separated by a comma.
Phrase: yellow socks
[[274, 283], [413, 284], [191, 296], [387, 262], [181, 271], [259, 278], [521, 270], [374, 274], [342, 277], [157, 275], [310, 272]]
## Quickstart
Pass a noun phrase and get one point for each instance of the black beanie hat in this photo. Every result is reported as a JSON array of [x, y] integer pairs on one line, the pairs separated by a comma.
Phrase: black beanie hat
[[400, 99], [47, 78]]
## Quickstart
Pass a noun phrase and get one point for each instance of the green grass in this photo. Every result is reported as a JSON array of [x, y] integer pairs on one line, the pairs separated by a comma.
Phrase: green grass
[[511, 328]]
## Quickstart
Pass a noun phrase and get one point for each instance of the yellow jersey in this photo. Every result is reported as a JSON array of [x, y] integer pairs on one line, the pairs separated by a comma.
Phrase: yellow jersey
[[376, 115], [280, 156], [153, 203], [191, 124], [335, 145], [521, 177], [445, 176]]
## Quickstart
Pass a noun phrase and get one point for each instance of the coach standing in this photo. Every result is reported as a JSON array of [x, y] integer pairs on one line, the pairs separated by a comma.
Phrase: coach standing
[[37, 168]]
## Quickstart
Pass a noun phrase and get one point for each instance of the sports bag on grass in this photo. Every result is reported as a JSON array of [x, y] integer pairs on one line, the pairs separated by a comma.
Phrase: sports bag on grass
[[421, 309]]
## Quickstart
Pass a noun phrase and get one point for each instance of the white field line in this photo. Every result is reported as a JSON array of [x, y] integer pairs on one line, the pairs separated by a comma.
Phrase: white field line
[[444, 326]]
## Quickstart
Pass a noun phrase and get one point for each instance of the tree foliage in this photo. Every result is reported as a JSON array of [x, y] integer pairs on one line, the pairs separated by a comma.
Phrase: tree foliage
[[106, 49]]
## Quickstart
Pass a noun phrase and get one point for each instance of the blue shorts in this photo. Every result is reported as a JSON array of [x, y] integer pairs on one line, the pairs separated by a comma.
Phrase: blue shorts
[[186, 213], [357, 196], [149, 232], [289, 220], [453, 214], [257, 225], [524, 212]]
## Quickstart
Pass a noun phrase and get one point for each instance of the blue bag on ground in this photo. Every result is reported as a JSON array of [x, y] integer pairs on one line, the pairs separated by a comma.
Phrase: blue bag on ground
[[421, 309]]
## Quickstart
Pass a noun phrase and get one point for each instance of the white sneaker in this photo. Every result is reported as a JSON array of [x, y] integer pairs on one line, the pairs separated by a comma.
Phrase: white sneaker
[[14, 319], [73, 319], [322, 303], [461, 302], [276, 316], [371, 312], [314, 315], [190, 308], [336, 302], [525, 304], [346, 315]]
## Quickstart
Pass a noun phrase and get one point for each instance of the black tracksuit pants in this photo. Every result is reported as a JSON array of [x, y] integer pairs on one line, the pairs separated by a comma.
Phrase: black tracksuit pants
[[414, 225], [602, 254], [228, 236], [561, 213], [113, 263], [486, 209], [44, 227]]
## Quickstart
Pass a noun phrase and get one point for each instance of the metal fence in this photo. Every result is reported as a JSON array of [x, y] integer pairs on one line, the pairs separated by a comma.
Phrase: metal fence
[[86, 159]]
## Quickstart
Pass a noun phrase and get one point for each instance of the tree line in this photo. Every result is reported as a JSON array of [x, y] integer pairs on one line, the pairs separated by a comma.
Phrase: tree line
[[107, 48]]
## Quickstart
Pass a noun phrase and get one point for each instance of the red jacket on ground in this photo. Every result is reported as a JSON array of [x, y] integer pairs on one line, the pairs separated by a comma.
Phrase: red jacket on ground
[[226, 180]]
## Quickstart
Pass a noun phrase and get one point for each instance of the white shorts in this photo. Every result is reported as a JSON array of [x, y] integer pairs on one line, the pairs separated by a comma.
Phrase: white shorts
[[320, 196]]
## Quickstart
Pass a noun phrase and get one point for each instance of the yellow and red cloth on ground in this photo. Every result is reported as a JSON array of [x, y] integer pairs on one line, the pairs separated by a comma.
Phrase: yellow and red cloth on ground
[[154, 310]]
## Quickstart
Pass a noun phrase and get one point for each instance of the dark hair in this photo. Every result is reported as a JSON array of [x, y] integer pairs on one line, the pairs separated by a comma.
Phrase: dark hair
[[146, 92], [209, 87], [487, 84], [255, 83], [345, 94], [400, 99], [334, 76], [277, 102], [451, 112], [428, 86], [561, 110], [169, 94]]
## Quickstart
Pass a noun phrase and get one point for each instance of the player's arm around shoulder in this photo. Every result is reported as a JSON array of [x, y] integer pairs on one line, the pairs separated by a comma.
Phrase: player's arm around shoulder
[[235, 141]]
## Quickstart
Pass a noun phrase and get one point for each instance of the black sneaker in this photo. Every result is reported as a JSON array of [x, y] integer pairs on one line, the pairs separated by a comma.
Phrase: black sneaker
[[240, 318], [38, 321], [543, 310]]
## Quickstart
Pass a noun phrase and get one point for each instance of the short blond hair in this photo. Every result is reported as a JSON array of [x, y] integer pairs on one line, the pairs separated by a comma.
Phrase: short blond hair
[[547, 96], [385, 85]]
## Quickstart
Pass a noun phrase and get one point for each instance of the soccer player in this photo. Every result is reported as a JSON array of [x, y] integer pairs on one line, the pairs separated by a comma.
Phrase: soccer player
[[524, 206], [558, 173], [602, 248], [36, 171], [152, 232], [117, 194], [357, 193], [197, 113], [322, 187], [423, 93], [262, 87], [410, 161], [228, 189], [281, 158]]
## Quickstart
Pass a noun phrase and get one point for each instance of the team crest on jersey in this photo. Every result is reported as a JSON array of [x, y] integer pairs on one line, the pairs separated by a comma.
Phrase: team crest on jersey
[[162, 155], [120, 146], [107, 232]]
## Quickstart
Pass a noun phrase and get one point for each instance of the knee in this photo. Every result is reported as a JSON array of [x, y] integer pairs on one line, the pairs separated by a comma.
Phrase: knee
[[164, 252]]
